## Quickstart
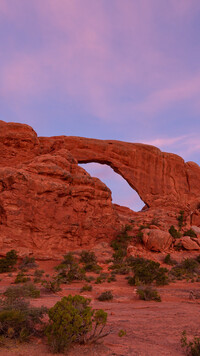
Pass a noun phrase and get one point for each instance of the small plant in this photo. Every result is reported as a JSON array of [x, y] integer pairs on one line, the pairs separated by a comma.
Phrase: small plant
[[73, 320], [181, 219], [51, 285], [174, 233], [148, 293], [186, 269], [86, 288], [19, 320], [7, 263], [146, 272], [25, 291], [88, 257], [101, 278], [37, 275], [90, 262], [21, 278], [122, 333], [192, 347], [105, 296], [27, 262], [190, 233], [71, 272], [168, 260]]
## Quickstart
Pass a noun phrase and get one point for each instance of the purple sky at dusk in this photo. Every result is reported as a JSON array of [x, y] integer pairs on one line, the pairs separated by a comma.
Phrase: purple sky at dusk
[[111, 69]]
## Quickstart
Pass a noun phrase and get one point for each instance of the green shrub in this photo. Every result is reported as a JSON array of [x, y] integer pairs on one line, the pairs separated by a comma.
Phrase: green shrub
[[168, 260], [101, 278], [88, 257], [181, 219], [90, 262], [148, 293], [86, 288], [147, 271], [120, 243], [198, 258], [27, 290], [51, 285], [186, 269], [190, 233], [7, 263], [71, 272], [27, 262], [21, 278], [105, 296], [37, 275], [192, 347], [19, 320], [122, 333], [73, 320], [174, 233]]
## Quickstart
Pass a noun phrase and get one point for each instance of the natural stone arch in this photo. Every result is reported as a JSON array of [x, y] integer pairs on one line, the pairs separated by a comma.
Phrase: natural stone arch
[[160, 179], [111, 177]]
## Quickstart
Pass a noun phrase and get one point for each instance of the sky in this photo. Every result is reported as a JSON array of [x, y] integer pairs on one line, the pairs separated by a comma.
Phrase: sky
[[110, 69]]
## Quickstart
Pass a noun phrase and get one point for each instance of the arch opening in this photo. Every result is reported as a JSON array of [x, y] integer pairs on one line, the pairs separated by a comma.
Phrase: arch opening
[[122, 193]]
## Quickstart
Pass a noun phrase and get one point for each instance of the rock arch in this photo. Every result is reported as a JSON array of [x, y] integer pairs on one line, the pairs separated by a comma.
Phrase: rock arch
[[160, 179]]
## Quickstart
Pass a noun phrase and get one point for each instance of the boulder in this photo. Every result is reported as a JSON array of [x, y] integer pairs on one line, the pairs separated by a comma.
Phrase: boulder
[[196, 229], [188, 243], [156, 240]]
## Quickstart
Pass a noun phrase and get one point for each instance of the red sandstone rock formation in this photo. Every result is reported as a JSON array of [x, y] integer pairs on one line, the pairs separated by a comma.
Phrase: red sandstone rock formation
[[48, 204]]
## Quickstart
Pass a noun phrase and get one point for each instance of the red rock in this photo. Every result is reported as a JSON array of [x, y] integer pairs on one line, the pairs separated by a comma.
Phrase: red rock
[[156, 240], [188, 243], [48, 204]]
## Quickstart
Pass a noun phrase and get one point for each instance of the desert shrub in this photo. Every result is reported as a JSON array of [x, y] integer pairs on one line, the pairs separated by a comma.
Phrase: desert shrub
[[198, 258], [148, 293], [51, 285], [89, 278], [68, 261], [73, 320], [147, 271], [122, 333], [28, 262], [37, 275], [139, 236], [86, 288], [19, 320], [111, 278], [21, 278], [7, 263], [120, 243], [105, 296], [185, 269], [168, 260], [192, 347], [27, 290], [174, 233], [70, 272], [90, 262], [190, 233], [101, 278], [181, 219], [88, 257]]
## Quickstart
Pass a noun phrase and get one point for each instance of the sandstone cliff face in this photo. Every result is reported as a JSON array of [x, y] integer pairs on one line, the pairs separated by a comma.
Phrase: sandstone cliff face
[[49, 205]]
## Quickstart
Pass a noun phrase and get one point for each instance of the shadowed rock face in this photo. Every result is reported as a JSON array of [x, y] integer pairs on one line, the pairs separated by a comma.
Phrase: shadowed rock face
[[49, 205]]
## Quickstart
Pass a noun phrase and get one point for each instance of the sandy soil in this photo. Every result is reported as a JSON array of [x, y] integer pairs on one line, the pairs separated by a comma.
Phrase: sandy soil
[[152, 328]]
